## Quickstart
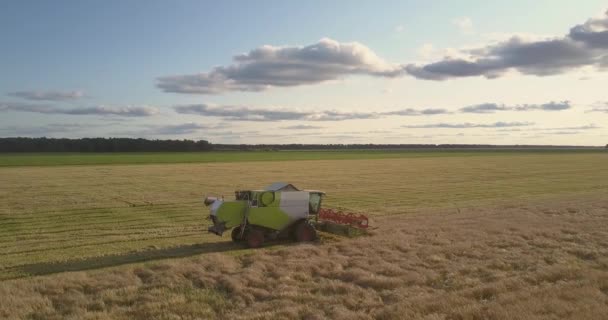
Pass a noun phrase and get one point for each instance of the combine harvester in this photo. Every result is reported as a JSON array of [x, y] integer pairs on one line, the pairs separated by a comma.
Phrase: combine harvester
[[279, 211]]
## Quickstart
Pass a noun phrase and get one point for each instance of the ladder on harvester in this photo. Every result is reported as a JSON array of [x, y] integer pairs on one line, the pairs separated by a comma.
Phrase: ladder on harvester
[[245, 217]]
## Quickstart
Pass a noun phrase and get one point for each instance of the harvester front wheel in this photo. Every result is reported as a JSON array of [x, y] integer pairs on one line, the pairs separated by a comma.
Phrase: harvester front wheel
[[236, 234], [305, 232], [254, 238]]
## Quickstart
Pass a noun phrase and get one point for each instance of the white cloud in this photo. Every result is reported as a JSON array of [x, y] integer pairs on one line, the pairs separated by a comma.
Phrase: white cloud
[[583, 127], [48, 95], [179, 129], [271, 66], [53, 129], [493, 107], [464, 24], [468, 125], [426, 51], [302, 127], [268, 66], [245, 113], [599, 107], [128, 111], [585, 45]]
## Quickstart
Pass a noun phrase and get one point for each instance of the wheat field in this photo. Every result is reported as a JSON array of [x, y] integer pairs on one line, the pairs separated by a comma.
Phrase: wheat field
[[515, 236]]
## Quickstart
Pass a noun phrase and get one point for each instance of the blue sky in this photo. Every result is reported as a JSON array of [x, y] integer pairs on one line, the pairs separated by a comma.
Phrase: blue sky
[[332, 71]]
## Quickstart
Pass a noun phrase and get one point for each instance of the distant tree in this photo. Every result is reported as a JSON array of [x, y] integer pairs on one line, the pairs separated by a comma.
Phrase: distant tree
[[143, 145], [99, 145]]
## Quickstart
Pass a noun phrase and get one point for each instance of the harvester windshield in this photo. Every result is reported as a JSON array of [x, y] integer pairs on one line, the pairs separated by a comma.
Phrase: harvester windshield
[[314, 203]]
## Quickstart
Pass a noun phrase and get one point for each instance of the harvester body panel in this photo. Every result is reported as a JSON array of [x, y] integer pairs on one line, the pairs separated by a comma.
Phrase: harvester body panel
[[229, 212]]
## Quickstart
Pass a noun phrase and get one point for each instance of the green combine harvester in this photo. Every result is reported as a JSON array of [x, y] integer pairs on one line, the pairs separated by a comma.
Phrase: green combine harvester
[[278, 211]]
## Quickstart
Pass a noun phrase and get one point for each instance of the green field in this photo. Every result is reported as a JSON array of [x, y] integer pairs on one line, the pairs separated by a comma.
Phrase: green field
[[63, 159]]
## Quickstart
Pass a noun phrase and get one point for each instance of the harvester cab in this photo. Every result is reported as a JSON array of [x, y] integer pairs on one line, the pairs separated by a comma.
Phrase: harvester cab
[[279, 210]]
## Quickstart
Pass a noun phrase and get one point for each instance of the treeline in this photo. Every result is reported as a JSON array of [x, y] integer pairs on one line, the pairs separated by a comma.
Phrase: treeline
[[143, 145], [100, 145], [279, 147]]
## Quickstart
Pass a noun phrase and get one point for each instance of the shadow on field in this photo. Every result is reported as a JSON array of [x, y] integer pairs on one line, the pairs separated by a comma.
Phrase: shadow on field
[[37, 269]]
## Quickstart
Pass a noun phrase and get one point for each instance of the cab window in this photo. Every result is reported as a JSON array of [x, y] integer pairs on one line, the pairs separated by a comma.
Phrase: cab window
[[314, 203]]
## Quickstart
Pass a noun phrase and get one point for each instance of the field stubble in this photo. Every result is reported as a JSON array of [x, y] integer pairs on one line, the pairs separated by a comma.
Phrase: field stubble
[[483, 252], [57, 214], [531, 260]]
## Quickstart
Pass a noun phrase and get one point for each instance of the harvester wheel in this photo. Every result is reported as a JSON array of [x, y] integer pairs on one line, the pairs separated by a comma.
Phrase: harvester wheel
[[236, 234], [254, 238], [305, 232]]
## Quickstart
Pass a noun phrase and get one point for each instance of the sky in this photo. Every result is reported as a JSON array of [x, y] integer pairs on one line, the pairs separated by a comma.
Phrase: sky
[[432, 72]]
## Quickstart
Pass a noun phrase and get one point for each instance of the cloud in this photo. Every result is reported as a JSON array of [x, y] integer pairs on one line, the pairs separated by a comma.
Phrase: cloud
[[242, 113], [272, 66], [493, 107], [45, 130], [399, 28], [577, 128], [178, 129], [551, 106], [584, 45], [484, 108], [599, 107], [426, 51], [585, 127], [594, 32], [22, 107], [48, 95], [467, 125], [302, 127], [127, 111], [465, 24], [338, 116], [287, 66], [416, 112], [151, 130]]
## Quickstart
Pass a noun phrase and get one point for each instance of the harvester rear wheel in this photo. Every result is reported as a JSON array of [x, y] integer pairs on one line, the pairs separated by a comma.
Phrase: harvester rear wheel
[[305, 232], [254, 238], [236, 234]]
